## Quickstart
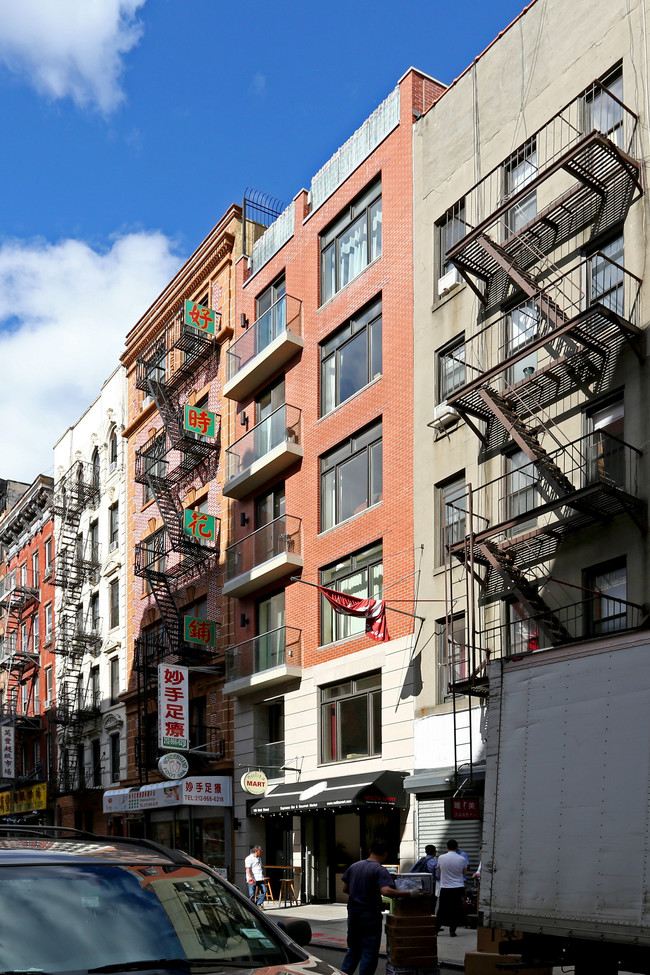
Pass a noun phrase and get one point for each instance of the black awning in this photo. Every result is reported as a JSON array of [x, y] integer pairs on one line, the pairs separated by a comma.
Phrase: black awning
[[375, 790]]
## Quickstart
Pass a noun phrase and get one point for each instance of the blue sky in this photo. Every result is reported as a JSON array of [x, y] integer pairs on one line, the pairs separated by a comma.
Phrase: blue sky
[[131, 125]]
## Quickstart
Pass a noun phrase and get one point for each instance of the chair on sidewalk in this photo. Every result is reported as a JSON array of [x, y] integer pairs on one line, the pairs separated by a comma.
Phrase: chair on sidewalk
[[268, 896], [287, 893]]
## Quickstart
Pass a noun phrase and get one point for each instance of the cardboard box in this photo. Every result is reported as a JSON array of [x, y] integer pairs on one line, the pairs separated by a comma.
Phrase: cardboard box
[[405, 959], [487, 939], [405, 924], [415, 942], [485, 963], [410, 906]]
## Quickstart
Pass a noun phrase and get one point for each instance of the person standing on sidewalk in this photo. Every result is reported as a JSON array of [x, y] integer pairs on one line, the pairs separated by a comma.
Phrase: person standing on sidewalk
[[452, 867], [255, 876], [365, 883]]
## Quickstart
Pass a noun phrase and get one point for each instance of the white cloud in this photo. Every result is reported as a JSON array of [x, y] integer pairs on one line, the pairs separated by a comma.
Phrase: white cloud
[[70, 47], [65, 310]]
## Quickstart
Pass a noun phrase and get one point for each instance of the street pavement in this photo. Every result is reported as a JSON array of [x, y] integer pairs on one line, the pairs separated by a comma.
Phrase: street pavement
[[329, 925]]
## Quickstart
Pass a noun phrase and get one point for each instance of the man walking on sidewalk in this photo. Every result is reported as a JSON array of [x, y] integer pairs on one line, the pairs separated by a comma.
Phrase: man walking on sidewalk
[[452, 867], [255, 876], [365, 883]]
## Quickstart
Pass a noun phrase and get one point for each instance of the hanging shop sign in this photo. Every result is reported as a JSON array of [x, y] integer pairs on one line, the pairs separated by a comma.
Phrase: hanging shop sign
[[200, 526], [202, 421], [254, 783], [199, 631], [23, 800], [8, 752], [201, 317], [195, 790], [173, 766], [173, 707]]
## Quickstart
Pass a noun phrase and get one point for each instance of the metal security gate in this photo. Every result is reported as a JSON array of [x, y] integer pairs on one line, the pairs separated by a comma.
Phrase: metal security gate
[[432, 827]]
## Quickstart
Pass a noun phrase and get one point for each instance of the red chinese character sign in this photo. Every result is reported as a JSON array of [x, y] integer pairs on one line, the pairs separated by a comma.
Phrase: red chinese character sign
[[199, 631], [199, 526], [198, 316], [8, 764], [173, 721], [201, 421], [456, 808]]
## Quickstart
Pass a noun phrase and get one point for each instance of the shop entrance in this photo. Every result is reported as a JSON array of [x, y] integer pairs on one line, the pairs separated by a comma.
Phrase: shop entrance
[[317, 850]]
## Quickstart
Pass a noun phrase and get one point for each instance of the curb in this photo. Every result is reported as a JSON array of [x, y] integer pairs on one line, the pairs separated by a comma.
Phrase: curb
[[335, 946]]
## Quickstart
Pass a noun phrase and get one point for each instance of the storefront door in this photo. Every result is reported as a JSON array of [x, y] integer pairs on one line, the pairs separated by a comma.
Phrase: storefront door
[[317, 849]]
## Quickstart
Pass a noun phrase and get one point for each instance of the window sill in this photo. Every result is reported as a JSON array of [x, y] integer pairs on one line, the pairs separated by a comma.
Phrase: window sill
[[345, 287], [347, 639], [357, 514], [439, 302], [343, 761]]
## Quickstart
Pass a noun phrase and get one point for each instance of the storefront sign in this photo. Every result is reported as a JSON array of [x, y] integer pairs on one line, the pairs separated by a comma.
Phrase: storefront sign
[[173, 766], [199, 631], [462, 809], [8, 763], [254, 783], [202, 422], [23, 800], [201, 317], [200, 526], [195, 790], [173, 723]]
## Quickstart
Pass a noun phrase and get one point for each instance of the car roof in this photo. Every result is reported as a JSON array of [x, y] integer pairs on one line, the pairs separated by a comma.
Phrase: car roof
[[31, 844]]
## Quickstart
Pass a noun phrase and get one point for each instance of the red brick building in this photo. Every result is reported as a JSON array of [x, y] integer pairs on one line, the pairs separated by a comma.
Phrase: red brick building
[[27, 662], [319, 470]]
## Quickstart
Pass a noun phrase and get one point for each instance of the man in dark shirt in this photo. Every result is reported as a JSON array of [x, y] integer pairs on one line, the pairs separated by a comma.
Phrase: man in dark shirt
[[365, 883]]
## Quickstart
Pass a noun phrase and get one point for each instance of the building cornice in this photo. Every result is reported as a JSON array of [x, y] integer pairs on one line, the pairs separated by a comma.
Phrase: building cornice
[[28, 510]]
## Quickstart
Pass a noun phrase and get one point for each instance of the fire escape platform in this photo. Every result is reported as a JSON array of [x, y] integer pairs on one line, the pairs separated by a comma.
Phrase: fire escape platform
[[262, 366]]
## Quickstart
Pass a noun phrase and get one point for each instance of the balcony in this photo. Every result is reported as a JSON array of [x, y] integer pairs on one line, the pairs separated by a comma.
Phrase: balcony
[[264, 452], [560, 337], [263, 557], [266, 346], [587, 151], [263, 662], [270, 757]]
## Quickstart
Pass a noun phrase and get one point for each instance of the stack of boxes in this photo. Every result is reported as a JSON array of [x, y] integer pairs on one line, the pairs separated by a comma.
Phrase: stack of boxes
[[411, 940]]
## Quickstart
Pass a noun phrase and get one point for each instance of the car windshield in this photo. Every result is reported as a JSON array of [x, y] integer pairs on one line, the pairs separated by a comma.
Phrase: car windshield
[[76, 918]]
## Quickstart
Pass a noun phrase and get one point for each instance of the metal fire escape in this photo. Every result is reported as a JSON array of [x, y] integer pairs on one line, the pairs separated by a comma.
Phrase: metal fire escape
[[172, 461], [554, 348], [76, 562], [19, 660]]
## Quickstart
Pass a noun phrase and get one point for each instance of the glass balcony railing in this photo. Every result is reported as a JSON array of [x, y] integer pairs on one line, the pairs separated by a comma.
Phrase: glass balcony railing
[[276, 538], [277, 648], [270, 756], [280, 427], [283, 316]]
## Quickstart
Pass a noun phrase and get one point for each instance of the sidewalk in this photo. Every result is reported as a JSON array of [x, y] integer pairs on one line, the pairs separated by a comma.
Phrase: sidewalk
[[329, 925]]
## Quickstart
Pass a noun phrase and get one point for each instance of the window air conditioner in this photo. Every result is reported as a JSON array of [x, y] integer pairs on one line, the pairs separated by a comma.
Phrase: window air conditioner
[[444, 415], [112, 546], [449, 282]]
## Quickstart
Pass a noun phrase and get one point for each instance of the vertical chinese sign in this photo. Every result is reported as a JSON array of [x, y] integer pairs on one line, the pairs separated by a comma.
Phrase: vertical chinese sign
[[201, 421], [198, 316], [199, 526], [8, 764], [173, 721]]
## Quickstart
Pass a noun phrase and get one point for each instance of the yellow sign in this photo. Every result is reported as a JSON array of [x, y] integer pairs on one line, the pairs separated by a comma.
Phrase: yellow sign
[[24, 800]]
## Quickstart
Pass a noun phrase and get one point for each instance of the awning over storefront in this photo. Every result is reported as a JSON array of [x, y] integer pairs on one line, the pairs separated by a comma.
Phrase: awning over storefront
[[378, 790], [195, 790]]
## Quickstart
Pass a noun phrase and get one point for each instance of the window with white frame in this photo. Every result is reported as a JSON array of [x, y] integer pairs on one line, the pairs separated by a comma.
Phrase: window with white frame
[[604, 106], [36, 633], [352, 242], [518, 171], [523, 327], [450, 229], [453, 512], [606, 586], [114, 665], [48, 623], [49, 686], [48, 547], [114, 526], [114, 603], [521, 486], [351, 476], [115, 757], [607, 277], [360, 574], [36, 575], [452, 652], [351, 357], [112, 450], [451, 368], [350, 713]]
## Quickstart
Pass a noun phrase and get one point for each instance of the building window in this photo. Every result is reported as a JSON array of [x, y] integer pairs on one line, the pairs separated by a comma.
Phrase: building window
[[451, 368], [48, 624], [97, 762], [351, 476], [115, 757], [607, 594], [113, 526], [450, 229], [95, 468], [452, 653], [81, 765], [48, 687], [36, 633], [608, 457], [37, 705], [115, 679], [271, 313], [522, 327], [198, 723], [114, 603], [36, 575], [351, 357], [112, 450], [604, 113], [24, 638], [95, 694], [606, 281], [453, 510], [48, 553], [518, 171], [523, 632], [521, 487], [350, 714], [352, 242], [94, 612], [359, 575]]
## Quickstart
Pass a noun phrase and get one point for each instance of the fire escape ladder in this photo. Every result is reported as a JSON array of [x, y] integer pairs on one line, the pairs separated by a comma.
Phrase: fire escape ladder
[[548, 308], [169, 508], [527, 441], [527, 595], [168, 610], [169, 411]]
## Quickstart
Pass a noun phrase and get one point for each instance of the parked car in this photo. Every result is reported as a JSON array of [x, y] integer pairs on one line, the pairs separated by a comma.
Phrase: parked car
[[74, 902]]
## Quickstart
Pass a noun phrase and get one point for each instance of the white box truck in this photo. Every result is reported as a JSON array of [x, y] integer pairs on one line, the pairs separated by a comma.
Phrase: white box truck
[[566, 833]]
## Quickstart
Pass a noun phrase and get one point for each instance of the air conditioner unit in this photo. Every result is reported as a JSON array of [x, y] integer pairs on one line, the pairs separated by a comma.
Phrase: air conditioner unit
[[444, 415], [449, 282], [113, 546]]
